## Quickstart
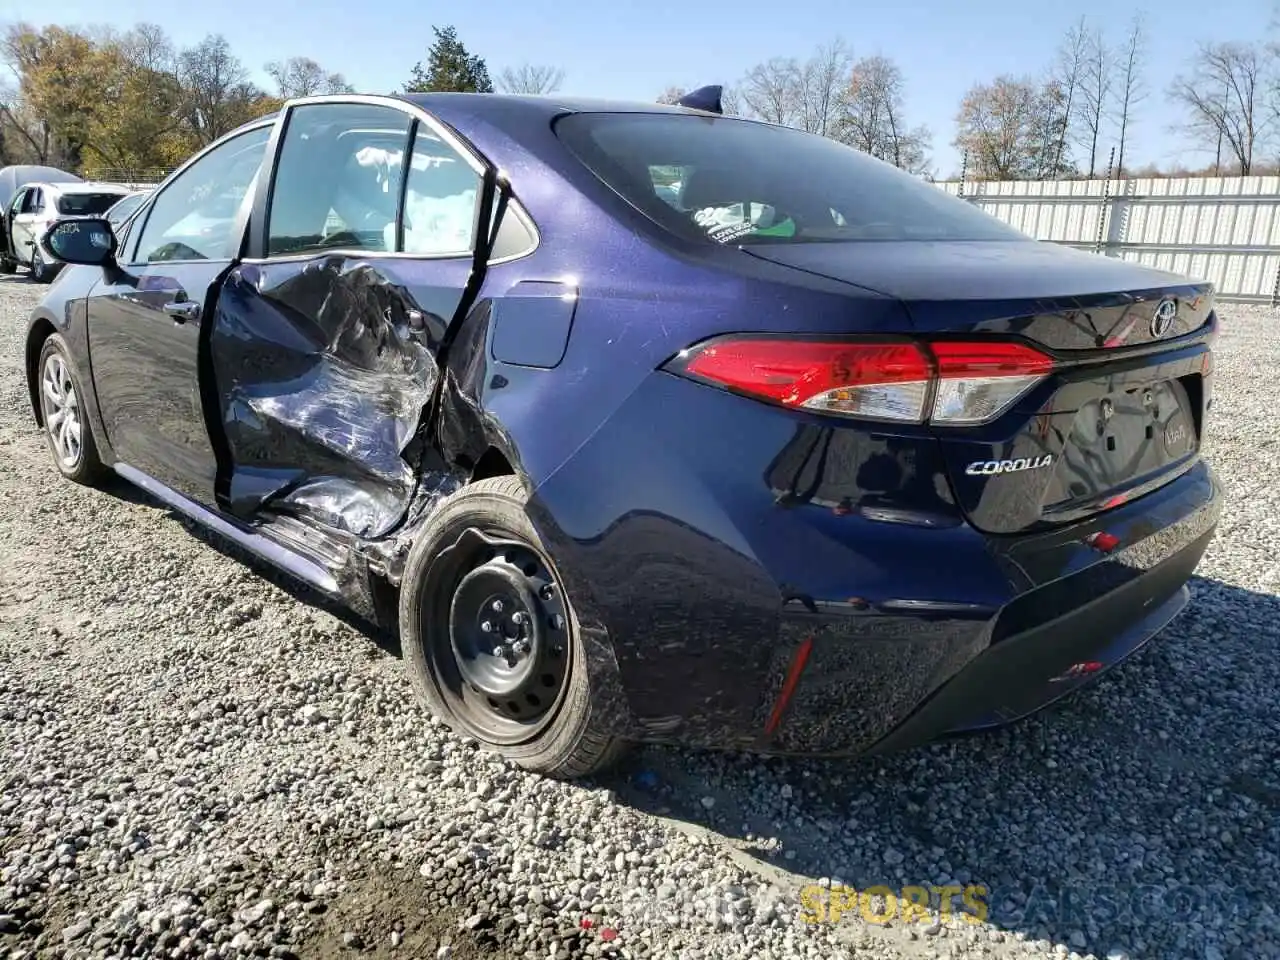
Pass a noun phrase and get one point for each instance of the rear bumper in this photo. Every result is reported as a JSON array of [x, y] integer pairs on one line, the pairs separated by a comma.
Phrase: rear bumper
[[1042, 645], [1027, 672]]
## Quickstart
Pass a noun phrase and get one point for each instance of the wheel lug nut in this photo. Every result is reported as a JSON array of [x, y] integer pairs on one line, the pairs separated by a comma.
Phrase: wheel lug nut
[[497, 606], [486, 626], [517, 617], [501, 651], [547, 591]]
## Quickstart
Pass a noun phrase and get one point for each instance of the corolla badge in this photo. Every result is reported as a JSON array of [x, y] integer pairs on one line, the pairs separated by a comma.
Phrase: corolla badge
[[1162, 319], [988, 467]]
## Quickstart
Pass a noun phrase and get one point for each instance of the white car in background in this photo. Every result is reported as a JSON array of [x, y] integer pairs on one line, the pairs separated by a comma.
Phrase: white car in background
[[33, 210]]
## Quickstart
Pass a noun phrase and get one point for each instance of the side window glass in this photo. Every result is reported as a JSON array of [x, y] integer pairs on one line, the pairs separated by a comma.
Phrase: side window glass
[[194, 216], [667, 181], [37, 201], [337, 183], [513, 239], [30, 200], [440, 199]]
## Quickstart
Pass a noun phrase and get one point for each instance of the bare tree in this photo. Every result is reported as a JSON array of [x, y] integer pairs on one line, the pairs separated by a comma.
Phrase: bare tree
[[806, 95], [1050, 117], [530, 78], [1272, 56], [819, 83], [1095, 92], [26, 135], [1226, 97], [303, 77], [1009, 128], [1068, 74], [671, 95], [771, 90], [1131, 89], [148, 47], [870, 116], [731, 102], [217, 88]]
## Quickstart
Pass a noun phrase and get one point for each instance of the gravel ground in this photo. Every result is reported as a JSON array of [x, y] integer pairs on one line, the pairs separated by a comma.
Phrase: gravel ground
[[197, 763]]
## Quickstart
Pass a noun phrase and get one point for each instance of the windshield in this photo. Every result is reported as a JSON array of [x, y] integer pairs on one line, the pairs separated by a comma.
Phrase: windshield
[[86, 204], [735, 181]]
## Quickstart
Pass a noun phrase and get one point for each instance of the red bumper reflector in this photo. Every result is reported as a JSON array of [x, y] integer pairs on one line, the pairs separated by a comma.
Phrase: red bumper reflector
[[798, 660], [1078, 670], [1106, 542]]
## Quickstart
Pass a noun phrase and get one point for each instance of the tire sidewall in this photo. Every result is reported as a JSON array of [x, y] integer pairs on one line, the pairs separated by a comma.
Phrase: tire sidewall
[[486, 508], [88, 468], [37, 265]]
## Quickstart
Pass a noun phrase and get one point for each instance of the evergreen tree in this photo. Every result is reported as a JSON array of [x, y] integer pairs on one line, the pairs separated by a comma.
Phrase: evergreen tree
[[449, 67]]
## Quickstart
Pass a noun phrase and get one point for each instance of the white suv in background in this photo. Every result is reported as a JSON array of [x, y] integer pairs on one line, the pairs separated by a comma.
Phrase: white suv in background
[[35, 207]]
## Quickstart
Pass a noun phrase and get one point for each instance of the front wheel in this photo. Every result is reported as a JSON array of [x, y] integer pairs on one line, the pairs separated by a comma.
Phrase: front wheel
[[492, 640], [66, 428]]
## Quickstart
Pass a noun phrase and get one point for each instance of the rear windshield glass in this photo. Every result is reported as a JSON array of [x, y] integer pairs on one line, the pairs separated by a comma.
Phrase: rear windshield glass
[[87, 204], [734, 181]]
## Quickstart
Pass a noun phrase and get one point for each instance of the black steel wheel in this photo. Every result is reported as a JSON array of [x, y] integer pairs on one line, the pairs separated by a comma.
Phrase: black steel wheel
[[504, 654], [491, 637]]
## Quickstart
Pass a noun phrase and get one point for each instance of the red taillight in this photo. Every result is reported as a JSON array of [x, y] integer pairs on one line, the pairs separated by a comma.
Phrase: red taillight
[[947, 382], [880, 380]]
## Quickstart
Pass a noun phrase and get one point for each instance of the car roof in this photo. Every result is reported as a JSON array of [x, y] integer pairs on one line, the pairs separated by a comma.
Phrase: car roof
[[84, 188], [548, 105], [500, 109]]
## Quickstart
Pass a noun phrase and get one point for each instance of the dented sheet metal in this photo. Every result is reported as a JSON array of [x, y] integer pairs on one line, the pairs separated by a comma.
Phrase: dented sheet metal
[[323, 370]]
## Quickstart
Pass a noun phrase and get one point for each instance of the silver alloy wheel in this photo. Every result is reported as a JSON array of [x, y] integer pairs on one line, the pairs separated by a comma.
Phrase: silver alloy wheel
[[61, 411]]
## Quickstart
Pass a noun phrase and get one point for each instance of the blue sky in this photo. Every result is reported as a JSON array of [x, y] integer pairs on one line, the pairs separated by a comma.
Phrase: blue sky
[[636, 50]]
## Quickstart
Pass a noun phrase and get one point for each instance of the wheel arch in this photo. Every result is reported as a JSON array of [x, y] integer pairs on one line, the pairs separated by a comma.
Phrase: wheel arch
[[40, 330], [494, 462]]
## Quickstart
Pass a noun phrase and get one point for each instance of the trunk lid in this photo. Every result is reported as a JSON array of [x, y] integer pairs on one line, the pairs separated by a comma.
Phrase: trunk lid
[[1121, 414]]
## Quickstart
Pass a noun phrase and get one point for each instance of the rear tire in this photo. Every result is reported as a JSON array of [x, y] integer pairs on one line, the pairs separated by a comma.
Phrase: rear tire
[[7, 266], [67, 431], [521, 687]]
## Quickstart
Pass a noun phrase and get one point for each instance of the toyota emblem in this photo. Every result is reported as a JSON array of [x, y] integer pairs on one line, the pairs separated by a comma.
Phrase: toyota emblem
[[1162, 319]]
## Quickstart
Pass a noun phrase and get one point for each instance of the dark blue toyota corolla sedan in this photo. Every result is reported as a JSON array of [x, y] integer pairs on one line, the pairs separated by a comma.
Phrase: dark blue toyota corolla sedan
[[641, 423]]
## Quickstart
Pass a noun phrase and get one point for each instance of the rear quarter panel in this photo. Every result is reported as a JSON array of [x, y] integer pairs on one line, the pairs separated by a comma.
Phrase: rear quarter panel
[[642, 297]]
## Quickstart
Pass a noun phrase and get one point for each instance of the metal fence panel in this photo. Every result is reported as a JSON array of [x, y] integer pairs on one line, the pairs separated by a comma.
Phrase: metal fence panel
[[1222, 229]]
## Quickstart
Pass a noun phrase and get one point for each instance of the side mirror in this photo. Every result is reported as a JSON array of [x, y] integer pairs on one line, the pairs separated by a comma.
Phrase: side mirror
[[84, 240]]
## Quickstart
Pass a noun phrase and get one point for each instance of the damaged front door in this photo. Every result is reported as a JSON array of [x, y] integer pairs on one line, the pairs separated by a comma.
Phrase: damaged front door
[[149, 315], [324, 346]]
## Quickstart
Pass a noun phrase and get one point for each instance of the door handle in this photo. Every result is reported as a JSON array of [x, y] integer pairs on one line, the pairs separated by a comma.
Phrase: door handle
[[183, 310]]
